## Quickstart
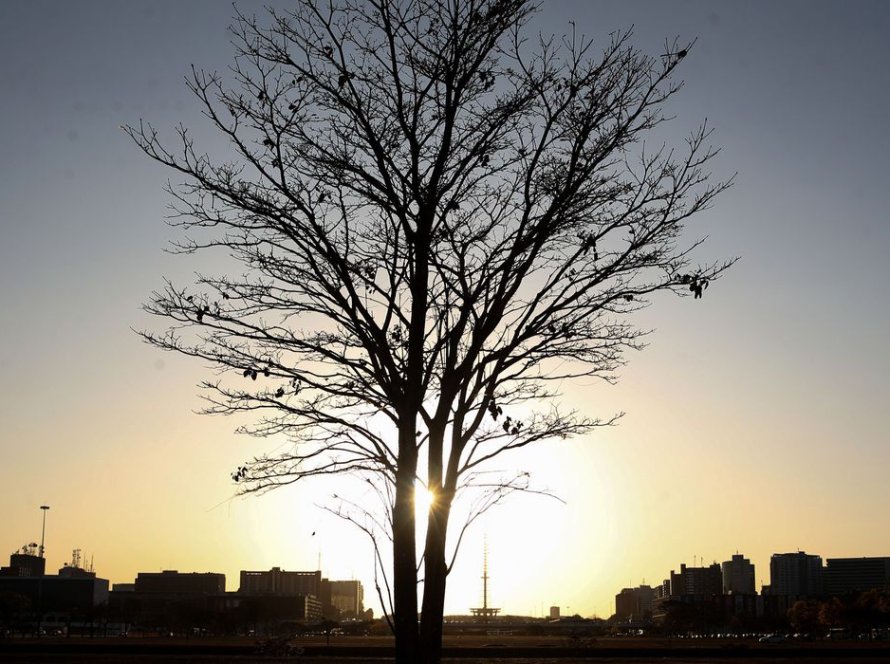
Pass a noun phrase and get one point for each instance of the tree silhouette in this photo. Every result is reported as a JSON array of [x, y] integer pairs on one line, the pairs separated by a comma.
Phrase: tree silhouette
[[804, 616], [438, 217]]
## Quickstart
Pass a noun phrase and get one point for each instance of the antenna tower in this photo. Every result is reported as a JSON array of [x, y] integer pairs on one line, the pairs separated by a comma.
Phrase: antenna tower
[[485, 574], [485, 612]]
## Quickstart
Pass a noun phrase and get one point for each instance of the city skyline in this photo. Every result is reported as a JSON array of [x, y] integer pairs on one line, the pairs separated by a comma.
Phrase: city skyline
[[723, 567], [754, 420]]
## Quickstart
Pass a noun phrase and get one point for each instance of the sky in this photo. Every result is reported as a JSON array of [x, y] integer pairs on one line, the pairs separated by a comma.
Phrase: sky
[[756, 419]]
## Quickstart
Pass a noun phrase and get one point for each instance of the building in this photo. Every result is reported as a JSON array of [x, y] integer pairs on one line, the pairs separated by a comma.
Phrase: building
[[662, 590], [795, 575], [75, 572], [58, 594], [746, 607], [277, 581], [251, 608], [738, 576], [25, 563], [171, 582], [634, 603], [71, 592], [347, 598], [705, 581], [554, 613], [162, 598], [844, 576], [280, 582]]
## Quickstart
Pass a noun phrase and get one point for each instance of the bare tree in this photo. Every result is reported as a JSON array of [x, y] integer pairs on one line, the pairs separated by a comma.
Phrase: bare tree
[[437, 217]]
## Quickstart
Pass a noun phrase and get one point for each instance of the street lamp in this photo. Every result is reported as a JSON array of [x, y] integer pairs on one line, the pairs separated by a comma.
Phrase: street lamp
[[43, 532]]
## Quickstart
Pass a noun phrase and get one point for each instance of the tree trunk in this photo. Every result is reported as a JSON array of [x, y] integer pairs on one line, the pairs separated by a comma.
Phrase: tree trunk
[[434, 578], [405, 566]]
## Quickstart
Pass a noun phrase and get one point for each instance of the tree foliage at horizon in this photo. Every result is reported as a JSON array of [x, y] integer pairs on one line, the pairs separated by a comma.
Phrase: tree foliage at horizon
[[439, 217]]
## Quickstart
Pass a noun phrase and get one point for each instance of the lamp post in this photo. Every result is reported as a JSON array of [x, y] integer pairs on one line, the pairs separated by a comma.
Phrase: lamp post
[[45, 508]]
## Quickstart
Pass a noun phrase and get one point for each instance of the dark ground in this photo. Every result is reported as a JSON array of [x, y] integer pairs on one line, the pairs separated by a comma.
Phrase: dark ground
[[458, 650]]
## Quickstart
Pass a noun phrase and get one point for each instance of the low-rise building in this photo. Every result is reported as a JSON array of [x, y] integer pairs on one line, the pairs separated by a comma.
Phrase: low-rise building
[[182, 583], [72, 591], [277, 581], [844, 576], [24, 563]]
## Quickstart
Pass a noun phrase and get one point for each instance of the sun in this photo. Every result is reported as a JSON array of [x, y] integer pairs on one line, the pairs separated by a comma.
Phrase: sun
[[423, 501]]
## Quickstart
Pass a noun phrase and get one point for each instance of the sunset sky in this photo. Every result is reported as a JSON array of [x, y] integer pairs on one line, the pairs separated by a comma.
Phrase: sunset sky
[[756, 420]]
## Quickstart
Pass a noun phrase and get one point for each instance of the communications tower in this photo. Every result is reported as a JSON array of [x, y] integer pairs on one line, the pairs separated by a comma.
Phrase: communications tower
[[484, 612]]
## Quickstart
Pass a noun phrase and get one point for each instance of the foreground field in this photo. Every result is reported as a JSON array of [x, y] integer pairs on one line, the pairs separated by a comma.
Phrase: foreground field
[[458, 650]]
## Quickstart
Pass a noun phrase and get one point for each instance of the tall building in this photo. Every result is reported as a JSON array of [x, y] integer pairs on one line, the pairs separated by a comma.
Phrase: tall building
[[795, 575], [849, 575], [697, 581], [738, 576], [634, 603], [348, 598]]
